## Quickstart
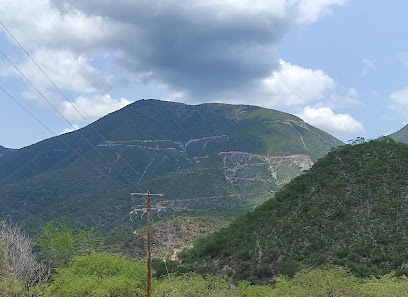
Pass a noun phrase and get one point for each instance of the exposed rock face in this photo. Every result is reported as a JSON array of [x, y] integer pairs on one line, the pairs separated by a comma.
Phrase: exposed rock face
[[350, 209], [203, 157], [298, 163], [192, 148], [242, 169]]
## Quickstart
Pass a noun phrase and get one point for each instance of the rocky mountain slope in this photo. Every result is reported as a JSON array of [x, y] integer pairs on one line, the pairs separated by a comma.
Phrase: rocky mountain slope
[[349, 209], [208, 157], [401, 135]]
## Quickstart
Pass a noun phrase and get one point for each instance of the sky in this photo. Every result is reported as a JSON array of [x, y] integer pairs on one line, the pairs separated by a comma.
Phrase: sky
[[340, 65]]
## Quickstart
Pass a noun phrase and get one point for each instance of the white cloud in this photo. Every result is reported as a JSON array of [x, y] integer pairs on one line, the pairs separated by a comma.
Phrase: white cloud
[[312, 10], [201, 47], [38, 24], [294, 85], [289, 86], [400, 97], [325, 119], [69, 72], [92, 108], [29, 95], [305, 11], [67, 130]]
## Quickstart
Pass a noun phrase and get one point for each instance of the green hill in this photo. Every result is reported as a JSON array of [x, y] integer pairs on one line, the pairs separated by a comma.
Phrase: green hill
[[4, 150], [208, 157], [349, 209]]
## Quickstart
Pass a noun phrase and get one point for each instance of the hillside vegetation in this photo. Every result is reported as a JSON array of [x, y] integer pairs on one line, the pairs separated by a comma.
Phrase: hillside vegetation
[[208, 157], [349, 209], [339, 229]]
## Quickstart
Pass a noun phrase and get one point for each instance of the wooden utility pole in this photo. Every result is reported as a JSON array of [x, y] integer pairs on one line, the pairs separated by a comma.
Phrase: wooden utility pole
[[149, 249], [149, 243]]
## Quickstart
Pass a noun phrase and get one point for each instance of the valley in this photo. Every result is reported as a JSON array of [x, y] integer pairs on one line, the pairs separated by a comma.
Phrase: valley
[[249, 194]]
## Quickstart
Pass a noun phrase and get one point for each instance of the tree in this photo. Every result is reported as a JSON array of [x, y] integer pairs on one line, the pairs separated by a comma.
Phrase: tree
[[9, 286], [60, 243], [19, 257], [192, 285], [327, 281], [386, 286], [100, 274], [246, 290]]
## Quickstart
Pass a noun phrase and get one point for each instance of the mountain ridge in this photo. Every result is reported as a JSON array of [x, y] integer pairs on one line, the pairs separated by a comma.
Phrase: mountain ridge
[[401, 135], [349, 209], [5, 150], [172, 147]]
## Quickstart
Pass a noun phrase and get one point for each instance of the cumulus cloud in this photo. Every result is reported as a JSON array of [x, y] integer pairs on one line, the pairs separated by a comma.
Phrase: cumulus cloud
[[325, 119], [290, 85], [38, 24], [68, 72], [92, 108], [400, 97], [294, 85], [200, 48]]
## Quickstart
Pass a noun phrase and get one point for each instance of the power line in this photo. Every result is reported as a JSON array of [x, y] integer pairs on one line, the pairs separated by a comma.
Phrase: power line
[[61, 139], [45, 98], [56, 110], [149, 248], [62, 93]]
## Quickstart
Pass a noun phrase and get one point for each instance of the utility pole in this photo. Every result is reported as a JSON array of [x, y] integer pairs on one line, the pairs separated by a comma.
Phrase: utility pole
[[149, 247]]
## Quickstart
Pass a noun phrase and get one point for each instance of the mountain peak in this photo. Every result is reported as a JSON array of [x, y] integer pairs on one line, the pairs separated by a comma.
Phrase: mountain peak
[[189, 152]]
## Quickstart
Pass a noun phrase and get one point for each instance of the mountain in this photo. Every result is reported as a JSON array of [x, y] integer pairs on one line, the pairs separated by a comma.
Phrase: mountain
[[401, 135], [203, 158], [350, 209], [4, 150]]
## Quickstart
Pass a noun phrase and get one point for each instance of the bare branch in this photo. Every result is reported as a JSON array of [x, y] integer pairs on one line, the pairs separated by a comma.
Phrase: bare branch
[[20, 256]]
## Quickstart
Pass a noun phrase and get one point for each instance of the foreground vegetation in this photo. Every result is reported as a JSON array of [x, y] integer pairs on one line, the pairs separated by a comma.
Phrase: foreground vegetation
[[348, 210], [337, 230], [78, 270], [101, 275]]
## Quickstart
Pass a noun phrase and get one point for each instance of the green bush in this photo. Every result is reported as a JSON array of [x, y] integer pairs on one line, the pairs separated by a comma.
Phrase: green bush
[[318, 282], [98, 275], [192, 285]]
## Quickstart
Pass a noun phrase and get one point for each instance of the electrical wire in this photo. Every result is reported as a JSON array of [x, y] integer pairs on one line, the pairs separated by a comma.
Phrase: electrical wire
[[66, 98], [60, 138], [83, 117], [48, 101], [42, 95], [73, 105]]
